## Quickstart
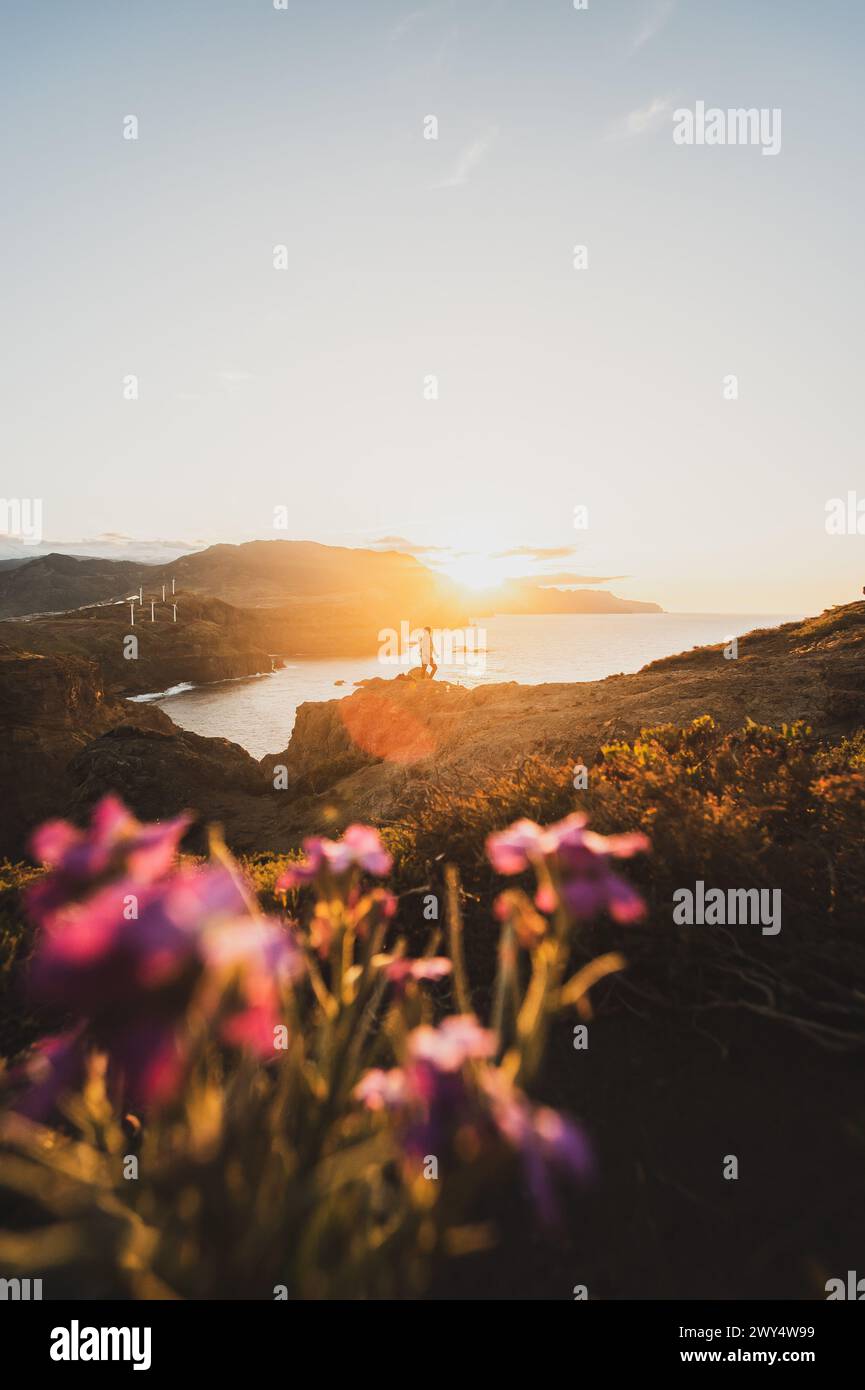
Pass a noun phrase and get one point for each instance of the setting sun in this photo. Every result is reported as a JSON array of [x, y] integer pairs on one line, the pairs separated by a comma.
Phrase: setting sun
[[476, 572]]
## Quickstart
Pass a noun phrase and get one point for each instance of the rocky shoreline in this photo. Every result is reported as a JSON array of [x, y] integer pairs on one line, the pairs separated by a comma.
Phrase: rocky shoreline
[[69, 736]]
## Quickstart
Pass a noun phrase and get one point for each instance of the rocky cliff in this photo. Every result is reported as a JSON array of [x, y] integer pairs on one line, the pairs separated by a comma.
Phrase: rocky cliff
[[362, 756], [160, 772], [50, 708], [366, 756]]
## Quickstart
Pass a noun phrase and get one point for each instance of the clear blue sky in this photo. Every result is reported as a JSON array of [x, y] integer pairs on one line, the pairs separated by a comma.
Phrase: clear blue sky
[[410, 257]]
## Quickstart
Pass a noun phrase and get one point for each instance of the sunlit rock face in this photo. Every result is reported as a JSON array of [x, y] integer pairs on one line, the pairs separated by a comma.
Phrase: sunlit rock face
[[366, 756]]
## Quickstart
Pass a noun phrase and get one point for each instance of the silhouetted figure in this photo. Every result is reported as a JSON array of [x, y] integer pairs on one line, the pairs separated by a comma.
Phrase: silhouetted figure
[[427, 653]]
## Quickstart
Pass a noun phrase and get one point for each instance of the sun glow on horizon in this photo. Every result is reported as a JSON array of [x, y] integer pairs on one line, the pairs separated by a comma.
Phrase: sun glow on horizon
[[477, 572]]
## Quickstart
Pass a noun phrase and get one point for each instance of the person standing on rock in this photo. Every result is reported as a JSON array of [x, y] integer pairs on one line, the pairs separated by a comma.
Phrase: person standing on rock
[[427, 653]]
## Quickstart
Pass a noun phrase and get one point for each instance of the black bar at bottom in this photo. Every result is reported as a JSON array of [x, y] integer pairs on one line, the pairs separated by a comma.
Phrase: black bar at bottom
[[65, 1339]]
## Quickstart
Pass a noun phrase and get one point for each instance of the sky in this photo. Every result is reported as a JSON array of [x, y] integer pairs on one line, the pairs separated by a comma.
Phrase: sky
[[303, 395]]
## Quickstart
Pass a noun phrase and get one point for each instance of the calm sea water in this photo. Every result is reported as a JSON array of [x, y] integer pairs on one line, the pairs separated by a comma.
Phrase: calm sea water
[[258, 712]]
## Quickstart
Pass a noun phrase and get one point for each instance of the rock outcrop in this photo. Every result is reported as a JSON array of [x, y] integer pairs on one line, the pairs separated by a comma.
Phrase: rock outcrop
[[64, 743], [365, 754], [50, 708], [368, 755], [161, 772]]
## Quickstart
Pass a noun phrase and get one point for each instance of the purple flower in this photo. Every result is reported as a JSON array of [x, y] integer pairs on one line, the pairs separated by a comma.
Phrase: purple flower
[[525, 843], [143, 1064], [116, 843], [442, 1108], [546, 1142], [360, 847], [601, 890], [433, 1099], [579, 859], [128, 943], [430, 1093], [131, 957], [56, 1065], [573, 842]]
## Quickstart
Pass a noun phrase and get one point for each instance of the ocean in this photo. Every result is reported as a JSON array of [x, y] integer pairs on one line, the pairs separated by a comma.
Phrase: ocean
[[258, 712]]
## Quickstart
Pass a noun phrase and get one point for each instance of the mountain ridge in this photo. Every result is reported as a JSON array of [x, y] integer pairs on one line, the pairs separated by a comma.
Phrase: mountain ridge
[[276, 573]]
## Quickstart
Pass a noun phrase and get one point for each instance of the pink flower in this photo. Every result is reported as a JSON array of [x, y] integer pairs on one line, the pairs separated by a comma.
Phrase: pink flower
[[525, 843], [132, 980], [116, 843], [430, 1095], [367, 850], [456, 1040], [512, 850], [400, 971], [258, 958], [360, 847], [129, 942], [436, 1104], [441, 1050], [383, 1090], [578, 859], [130, 956], [573, 842], [589, 884]]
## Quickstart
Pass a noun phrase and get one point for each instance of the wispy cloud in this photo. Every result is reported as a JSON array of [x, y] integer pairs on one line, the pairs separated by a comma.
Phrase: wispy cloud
[[642, 121], [537, 552], [408, 547], [108, 545], [547, 581], [469, 158], [657, 15]]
